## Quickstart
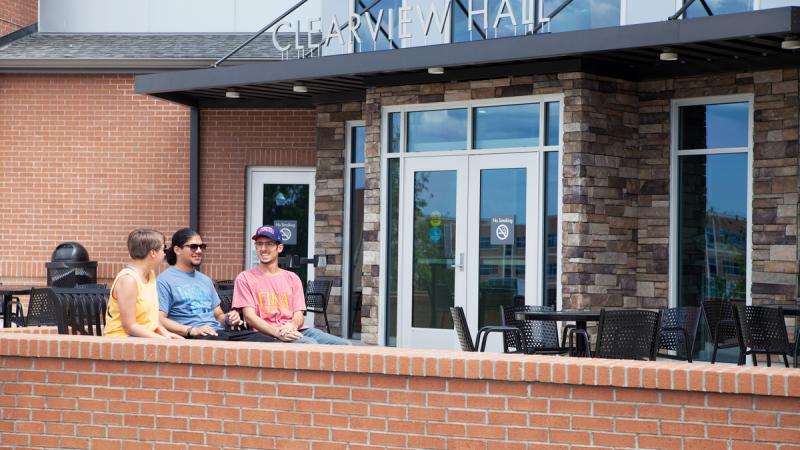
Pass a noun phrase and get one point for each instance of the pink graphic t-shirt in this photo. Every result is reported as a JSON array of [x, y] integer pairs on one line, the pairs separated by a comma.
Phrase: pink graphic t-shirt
[[275, 297]]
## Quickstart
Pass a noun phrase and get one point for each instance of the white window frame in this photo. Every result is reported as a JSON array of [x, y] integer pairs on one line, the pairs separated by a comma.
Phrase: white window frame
[[675, 188], [348, 170], [470, 105]]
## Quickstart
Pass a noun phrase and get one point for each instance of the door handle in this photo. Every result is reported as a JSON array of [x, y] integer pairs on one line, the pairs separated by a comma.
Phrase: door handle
[[460, 265]]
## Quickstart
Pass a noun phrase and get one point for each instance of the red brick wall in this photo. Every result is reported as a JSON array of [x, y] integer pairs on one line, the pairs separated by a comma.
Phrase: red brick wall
[[230, 142], [84, 158], [84, 392], [16, 14]]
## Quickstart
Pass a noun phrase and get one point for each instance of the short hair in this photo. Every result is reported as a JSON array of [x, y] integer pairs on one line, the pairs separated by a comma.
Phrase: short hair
[[141, 241]]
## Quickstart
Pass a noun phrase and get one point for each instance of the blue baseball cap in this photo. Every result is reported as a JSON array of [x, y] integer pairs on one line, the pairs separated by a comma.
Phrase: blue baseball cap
[[268, 231]]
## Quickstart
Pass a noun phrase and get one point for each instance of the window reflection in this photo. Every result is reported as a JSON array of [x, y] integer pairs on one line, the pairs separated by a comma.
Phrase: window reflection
[[583, 14], [392, 222], [552, 123], [394, 132], [507, 126], [550, 284], [506, 26], [433, 272], [430, 131], [382, 42], [723, 125], [502, 262], [719, 7], [358, 139], [712, 229]]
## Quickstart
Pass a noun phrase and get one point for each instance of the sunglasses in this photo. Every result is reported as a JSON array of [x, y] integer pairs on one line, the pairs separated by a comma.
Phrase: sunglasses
[[194, 247]]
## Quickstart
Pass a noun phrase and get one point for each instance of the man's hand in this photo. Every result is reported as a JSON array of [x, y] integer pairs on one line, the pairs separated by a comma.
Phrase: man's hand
[[233, 319], [288, 332], [205, 330]]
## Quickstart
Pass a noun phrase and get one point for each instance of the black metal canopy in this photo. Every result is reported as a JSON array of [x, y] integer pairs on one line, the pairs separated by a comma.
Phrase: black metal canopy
[[743, 41]]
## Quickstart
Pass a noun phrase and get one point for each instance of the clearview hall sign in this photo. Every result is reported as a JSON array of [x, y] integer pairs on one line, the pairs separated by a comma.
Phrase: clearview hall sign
[[396, 23]]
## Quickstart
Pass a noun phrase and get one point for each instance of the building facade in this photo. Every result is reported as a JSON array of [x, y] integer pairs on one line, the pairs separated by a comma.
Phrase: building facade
[[471, 154]]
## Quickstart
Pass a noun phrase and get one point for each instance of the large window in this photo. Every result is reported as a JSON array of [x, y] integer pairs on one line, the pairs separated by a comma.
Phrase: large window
[[711, 160], [498, 19], [355, 235], [582, 14], [719, 7], [385, 26]]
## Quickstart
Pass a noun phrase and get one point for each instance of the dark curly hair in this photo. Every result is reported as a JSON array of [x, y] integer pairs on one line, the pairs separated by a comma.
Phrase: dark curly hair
[[179, 238]]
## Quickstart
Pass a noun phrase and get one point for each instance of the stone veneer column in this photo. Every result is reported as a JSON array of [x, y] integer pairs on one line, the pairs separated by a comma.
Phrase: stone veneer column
[[775, 186], [329, 205], [600, 187]]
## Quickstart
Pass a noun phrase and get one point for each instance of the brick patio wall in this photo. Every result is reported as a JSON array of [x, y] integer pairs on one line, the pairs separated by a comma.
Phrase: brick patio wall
[[16, 14], [99, 393]]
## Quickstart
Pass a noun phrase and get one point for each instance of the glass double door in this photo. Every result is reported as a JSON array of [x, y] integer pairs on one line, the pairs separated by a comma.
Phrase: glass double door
[[470, 237]]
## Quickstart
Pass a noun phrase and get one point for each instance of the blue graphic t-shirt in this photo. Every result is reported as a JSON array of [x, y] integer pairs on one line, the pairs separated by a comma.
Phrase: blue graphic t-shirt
[[188, 298]]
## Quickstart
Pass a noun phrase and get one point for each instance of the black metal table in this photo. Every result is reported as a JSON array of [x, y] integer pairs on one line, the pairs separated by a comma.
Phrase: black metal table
[[8, 292], [579, 316]]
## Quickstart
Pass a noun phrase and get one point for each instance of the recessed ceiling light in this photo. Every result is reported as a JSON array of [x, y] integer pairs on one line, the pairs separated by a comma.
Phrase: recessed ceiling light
[[435, 70], [300, 88], [232, 93], [668, 55], [790, 43]]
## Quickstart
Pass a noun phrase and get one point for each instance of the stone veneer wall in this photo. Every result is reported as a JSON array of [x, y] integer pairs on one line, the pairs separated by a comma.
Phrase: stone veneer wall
[[775, 178], [616, 156], [329, 207]]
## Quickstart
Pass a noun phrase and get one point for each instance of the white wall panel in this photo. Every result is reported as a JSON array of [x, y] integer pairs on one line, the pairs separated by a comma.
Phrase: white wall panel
[[168, 16]]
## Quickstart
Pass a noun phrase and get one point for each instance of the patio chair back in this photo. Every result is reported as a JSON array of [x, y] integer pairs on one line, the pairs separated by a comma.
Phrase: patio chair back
[[41, 308], [462, 329], [80, 310], [721, 326], [627, 334], [678, 331], [317, 294], [763, 332], [225, 298], [539, 336]]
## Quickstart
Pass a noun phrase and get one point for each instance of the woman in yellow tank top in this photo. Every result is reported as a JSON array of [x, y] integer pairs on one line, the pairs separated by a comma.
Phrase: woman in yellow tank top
[[133, 304]]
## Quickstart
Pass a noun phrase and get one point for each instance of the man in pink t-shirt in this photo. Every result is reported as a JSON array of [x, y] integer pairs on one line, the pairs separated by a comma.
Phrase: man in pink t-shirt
[[271, 299]]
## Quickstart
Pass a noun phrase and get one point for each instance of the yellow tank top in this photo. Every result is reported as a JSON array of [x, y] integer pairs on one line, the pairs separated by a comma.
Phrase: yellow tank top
[[146, 305]]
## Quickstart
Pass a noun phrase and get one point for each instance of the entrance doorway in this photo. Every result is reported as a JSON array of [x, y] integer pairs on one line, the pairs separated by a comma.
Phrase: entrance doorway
[[283, 197], [471, 236]]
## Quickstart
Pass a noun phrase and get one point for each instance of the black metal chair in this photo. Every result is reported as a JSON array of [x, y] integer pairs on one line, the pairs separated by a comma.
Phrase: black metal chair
[[41, 308], [317, 294], [627, 334], [678, 331], [223, 284], [763, 332], [225, 303], [465, 337], [722, 326], [538, 336], [80, 310]]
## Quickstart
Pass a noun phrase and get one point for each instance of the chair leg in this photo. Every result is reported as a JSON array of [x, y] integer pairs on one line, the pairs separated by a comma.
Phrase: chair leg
[[785, 360], [714, 351], [327, 326]]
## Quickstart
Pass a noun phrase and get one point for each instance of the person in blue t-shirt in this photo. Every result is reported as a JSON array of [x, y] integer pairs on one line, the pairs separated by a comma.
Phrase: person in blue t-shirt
[[188, 303]]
